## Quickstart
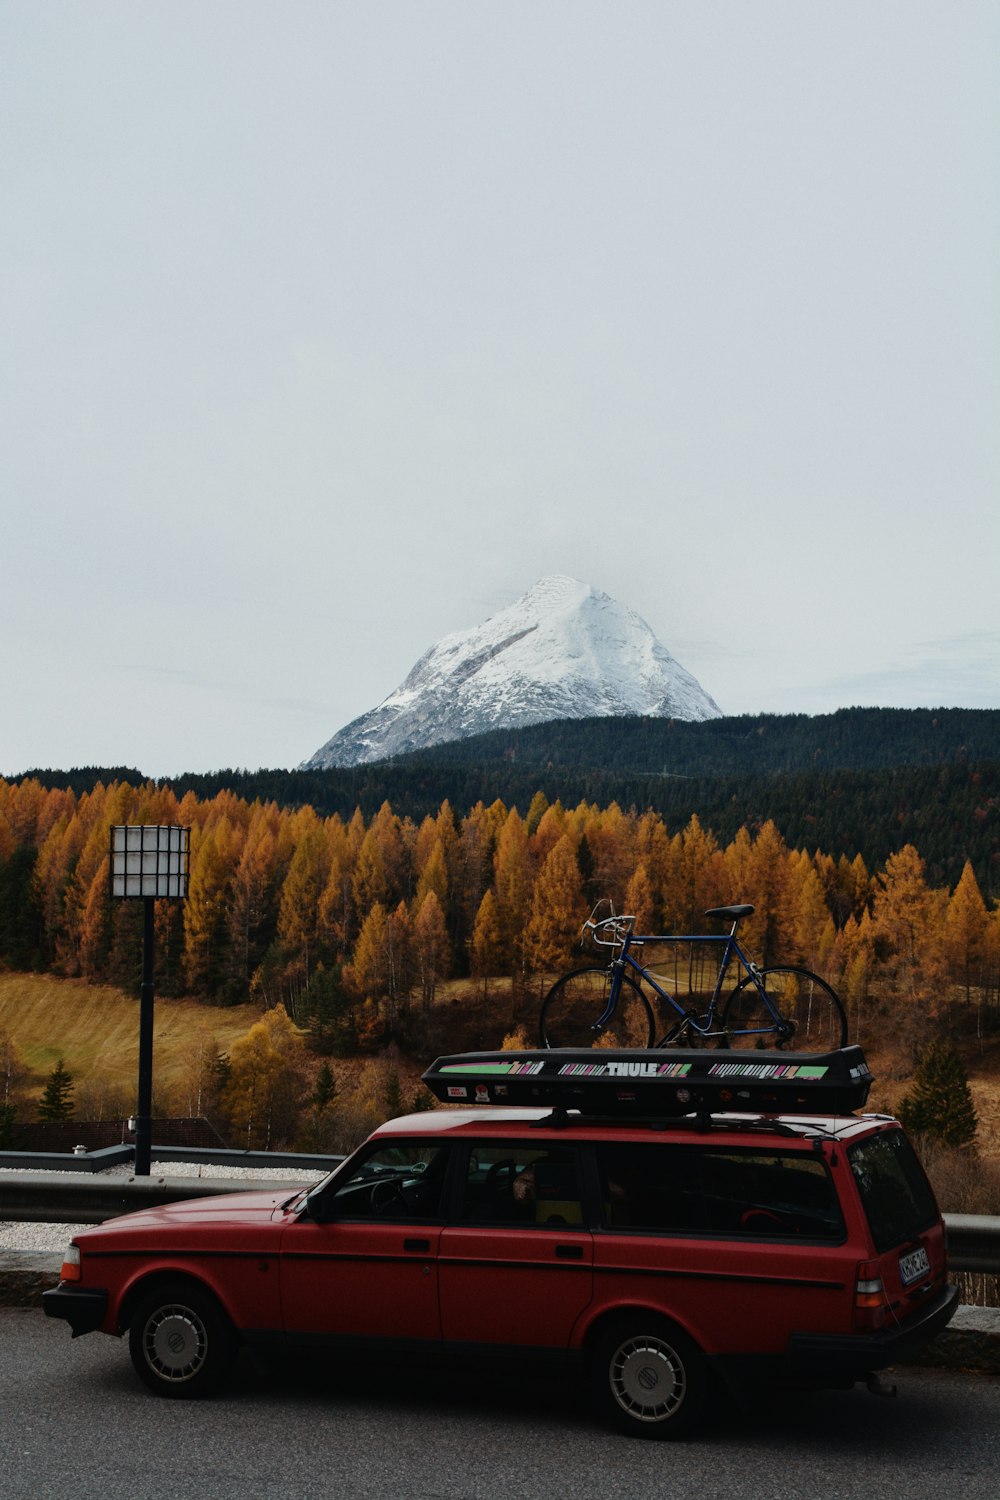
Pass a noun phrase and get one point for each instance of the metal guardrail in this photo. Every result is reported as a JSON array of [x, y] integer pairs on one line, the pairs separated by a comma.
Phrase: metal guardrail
[[973, 1243], [69, 1198], [114, 1156]]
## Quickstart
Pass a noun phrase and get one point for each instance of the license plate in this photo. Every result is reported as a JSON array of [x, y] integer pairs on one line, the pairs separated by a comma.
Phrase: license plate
[[913, 1266]]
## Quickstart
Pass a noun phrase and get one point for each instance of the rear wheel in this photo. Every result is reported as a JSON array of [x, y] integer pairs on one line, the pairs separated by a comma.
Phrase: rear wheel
[[648, 1377], [802, 999], [181, 1343], [575, 1003]]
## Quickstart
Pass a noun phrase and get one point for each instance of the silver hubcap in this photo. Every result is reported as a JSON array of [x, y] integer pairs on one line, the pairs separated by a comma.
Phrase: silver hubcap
[[647, 1379], [176, 1342]]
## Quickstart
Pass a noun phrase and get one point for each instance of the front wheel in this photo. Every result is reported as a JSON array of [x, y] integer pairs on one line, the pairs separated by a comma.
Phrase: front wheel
[[574, 1005], [180, 1340], [802, 1000], [648, 1377]]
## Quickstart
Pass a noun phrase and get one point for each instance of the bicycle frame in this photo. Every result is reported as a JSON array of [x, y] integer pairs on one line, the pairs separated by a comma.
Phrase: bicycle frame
[[705, 1025]]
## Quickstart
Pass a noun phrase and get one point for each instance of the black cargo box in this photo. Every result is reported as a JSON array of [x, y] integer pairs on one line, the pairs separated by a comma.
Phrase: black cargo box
[[679, 1081]]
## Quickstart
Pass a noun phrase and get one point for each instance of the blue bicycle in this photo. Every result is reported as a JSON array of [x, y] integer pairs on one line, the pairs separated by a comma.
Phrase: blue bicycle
[[780, 1006]]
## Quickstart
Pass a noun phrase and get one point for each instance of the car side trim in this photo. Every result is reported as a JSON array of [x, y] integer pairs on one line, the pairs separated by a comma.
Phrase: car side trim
[[751, 1280]]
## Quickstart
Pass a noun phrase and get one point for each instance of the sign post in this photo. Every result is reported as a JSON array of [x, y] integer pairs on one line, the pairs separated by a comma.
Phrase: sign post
[[148, 862]]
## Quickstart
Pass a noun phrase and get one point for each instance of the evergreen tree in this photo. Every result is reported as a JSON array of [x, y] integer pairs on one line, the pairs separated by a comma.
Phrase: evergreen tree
[[940, 1103], [329, 1016], [57, 1100], [392, 1096], [324, 1095]]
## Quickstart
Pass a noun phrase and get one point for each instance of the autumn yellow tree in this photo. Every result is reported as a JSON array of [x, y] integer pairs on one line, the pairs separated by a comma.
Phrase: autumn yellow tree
[[213, 864], [369, 974], [369, 882], [266, 1088], [512, 890], [770, 930], [430, 942], [811, 925], [252, 898], [300, 894], [685, 890], [486, 941], [639, 899], [966, 930], [557, 910], [903, 918], [907, 928]]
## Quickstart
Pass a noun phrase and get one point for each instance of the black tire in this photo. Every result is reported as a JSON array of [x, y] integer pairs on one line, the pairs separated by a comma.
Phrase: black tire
[[181, 1342], [648, 1377], [807, 1002], [576, 1002]]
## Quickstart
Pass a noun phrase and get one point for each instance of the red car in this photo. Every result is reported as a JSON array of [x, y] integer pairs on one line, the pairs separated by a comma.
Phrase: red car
[[661, 1252]]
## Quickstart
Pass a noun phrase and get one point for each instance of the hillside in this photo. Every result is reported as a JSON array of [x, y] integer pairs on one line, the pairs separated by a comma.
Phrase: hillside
[[852, 739], [94, 1028]]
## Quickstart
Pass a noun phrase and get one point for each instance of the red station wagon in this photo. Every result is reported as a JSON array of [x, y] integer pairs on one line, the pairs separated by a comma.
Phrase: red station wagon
[[660, 1251]]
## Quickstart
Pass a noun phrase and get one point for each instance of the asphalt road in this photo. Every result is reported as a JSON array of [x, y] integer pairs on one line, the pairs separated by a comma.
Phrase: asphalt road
[[75, 1422]]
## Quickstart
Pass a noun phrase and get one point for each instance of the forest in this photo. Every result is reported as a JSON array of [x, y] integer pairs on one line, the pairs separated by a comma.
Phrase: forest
[[858, 782], [354, 925], [376, 917]]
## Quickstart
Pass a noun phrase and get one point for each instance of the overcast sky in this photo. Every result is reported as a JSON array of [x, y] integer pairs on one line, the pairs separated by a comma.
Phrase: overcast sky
[[328, 328]]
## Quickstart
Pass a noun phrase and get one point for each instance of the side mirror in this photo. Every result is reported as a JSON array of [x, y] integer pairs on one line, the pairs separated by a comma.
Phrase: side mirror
[[318, 1209]]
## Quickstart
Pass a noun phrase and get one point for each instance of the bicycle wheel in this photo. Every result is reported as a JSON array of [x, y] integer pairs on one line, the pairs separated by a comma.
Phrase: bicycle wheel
[[576, 1002], [802, 999]]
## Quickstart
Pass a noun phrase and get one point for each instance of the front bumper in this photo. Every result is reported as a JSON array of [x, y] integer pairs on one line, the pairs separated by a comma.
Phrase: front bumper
[[83, 1308], [855, 1354]]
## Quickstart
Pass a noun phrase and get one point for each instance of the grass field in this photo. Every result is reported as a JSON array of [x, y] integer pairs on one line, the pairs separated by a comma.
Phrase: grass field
[[95, 1030]]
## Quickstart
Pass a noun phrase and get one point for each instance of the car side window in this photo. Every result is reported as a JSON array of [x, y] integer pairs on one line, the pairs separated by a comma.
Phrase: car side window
[[401, 1181], [512, 1184], [688, 1190]]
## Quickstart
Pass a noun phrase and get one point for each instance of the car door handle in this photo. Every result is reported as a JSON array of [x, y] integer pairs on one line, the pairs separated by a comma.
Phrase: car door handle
[[569, 1252], [417, 1245]]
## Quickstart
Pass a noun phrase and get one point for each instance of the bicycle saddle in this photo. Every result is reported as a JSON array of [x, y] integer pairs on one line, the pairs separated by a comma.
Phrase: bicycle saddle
[[731, 913]]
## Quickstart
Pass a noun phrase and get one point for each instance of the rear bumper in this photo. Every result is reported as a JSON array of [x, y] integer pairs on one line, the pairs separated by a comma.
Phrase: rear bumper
[[83, 1308], [853, 1355]]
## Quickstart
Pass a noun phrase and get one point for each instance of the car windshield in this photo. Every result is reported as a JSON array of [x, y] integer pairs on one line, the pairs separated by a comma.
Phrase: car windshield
[[400, 1181], [897, 1197]]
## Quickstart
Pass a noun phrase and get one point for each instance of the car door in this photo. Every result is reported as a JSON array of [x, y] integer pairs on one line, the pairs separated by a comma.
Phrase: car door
[[515, 1267], [363, 1263]]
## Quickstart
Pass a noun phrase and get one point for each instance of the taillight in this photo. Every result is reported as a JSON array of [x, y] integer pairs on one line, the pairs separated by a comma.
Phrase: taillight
[[72, 1270], [869, 1296]]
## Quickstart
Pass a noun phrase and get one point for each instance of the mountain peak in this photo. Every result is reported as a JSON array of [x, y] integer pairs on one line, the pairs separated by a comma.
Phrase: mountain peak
[[563, 650]]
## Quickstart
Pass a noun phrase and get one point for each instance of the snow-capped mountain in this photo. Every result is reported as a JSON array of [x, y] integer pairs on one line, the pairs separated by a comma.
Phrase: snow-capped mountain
[[563, 650]]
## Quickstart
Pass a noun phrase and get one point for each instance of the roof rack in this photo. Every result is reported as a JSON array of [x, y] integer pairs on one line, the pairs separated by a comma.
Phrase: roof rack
[[657, 1083]]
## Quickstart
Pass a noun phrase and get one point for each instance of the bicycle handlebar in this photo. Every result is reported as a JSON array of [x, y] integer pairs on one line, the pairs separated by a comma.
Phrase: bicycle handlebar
[[611, 932]]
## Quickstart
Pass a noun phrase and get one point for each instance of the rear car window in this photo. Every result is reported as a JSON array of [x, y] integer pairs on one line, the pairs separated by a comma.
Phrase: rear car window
[[514, 1184], [687, 1190], [898, 1200]]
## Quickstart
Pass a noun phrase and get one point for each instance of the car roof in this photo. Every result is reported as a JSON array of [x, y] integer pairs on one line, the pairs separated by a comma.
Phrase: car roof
[[532, 1123]]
